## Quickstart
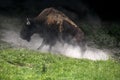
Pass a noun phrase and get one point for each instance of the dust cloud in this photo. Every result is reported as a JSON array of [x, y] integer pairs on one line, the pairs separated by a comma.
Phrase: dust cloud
[[10, 32]]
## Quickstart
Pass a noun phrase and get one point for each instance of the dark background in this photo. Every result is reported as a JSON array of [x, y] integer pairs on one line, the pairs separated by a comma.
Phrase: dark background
[[107, 10]]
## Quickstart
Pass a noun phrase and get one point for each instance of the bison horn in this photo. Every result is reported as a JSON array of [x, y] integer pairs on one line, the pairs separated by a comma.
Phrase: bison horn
[[28, 22]]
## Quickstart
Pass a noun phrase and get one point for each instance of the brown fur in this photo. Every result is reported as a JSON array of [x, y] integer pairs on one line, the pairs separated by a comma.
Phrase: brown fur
[[52, 25], [52, 16]]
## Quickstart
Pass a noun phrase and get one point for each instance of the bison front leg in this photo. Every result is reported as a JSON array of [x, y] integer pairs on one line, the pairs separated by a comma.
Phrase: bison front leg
[[40, 47]]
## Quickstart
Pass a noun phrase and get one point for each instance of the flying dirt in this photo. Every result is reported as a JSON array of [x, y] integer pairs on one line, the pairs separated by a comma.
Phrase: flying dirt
[[51, 31], [52, 25]]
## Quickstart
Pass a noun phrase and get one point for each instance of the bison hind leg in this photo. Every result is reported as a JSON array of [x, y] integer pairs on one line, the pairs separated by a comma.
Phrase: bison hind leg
[[60, 38], [82, 45]]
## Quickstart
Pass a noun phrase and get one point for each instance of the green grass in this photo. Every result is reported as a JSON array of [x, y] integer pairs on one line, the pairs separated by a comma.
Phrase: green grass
[[22, 64]]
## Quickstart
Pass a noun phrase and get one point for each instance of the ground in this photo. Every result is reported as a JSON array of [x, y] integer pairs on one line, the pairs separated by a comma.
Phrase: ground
[[23, 64]]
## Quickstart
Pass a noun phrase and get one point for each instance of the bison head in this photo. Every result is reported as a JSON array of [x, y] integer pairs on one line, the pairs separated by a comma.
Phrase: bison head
[[28, 29]]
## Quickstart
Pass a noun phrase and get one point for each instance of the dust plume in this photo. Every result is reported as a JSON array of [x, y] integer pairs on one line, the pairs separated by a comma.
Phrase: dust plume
[[10, 32]]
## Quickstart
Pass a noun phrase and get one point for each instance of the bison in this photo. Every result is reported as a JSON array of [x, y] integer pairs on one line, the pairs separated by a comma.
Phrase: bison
[[52, 25]]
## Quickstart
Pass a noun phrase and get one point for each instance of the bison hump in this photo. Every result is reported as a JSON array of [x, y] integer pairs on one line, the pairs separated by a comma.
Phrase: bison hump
[[51, 16]]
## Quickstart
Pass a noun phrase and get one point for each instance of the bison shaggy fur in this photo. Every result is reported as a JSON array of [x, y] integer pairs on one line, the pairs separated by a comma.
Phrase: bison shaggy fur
[[52, 25]]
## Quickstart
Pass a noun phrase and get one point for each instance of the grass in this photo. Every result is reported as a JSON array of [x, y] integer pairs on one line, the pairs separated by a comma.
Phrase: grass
[[22, 64]]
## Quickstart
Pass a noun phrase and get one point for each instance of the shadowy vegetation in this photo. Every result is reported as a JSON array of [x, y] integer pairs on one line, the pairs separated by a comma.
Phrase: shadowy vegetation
[[105, 36]]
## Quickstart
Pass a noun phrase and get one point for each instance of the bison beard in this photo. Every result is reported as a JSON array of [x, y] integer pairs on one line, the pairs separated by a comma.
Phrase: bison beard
[[52, 25]]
